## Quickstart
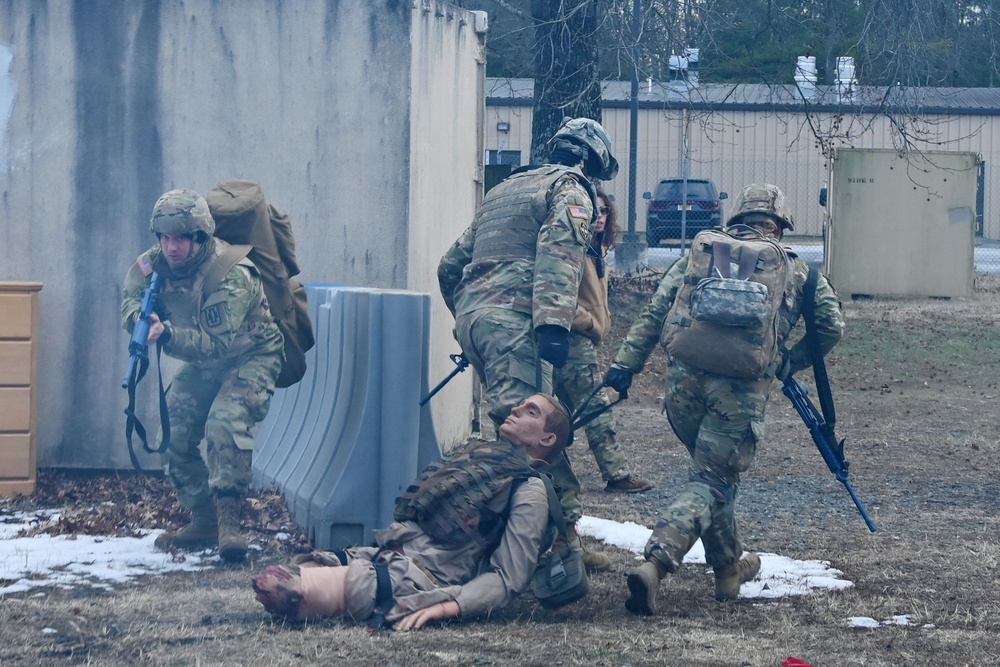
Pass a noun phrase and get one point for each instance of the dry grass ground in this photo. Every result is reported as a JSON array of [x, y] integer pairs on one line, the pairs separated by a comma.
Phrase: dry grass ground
[[916, 388]]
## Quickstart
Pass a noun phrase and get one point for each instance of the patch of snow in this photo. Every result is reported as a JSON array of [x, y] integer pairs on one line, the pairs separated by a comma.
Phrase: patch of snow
[[779, 576]]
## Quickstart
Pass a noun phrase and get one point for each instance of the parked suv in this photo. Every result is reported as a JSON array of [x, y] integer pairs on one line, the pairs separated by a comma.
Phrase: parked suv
[[666, 207]]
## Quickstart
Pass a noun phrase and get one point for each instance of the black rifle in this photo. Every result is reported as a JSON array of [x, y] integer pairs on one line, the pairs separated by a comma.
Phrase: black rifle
[[461, 363], [138, 350], [825, 438]]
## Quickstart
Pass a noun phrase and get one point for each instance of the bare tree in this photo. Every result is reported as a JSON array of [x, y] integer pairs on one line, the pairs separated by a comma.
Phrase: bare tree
[[567, 81]]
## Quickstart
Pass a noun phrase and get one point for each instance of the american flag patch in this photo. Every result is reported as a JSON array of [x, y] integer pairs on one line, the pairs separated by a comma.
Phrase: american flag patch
[[579, 212], [144, 264]]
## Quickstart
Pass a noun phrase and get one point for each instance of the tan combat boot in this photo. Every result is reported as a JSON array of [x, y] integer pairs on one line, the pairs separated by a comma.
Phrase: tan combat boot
[[232, 546], [594, 561], [201, 533], [729, 579], [643, 583]]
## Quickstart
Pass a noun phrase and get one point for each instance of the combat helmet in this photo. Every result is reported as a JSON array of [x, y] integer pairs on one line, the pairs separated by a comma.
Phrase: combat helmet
[[588, 133], [180, 212], [762, 198]]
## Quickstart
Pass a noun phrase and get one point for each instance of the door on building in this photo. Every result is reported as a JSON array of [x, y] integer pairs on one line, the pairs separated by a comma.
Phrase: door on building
[[498, 166]]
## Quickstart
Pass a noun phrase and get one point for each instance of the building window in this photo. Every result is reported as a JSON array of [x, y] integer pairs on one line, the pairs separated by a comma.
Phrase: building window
[[509, 158]]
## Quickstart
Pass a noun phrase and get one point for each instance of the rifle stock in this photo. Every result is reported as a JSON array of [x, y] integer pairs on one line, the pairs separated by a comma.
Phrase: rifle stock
[[825, 439], [461, 363], [138, 349]]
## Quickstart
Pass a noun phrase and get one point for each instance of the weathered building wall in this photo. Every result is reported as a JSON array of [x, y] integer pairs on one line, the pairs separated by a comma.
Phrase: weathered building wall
[[350, 115]]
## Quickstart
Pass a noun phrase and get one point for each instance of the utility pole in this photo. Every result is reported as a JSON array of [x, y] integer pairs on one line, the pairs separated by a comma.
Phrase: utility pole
[[629, 251]]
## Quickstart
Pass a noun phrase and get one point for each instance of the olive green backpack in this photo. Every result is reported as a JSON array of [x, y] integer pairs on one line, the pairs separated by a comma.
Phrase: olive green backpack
[[244, 218]]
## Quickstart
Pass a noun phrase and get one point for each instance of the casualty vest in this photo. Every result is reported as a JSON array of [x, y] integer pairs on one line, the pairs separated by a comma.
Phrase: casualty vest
[[450, 500]]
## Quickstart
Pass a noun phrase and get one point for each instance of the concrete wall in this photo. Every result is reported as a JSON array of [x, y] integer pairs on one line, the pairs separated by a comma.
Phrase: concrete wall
[[361, 120]]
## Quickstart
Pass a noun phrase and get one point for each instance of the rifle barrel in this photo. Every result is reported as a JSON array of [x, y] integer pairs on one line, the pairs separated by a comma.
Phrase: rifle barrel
[[824, 440]]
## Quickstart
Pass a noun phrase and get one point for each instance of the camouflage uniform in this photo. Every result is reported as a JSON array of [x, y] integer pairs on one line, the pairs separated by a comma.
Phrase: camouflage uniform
[[232, 353], [719, 419], [516, 268]]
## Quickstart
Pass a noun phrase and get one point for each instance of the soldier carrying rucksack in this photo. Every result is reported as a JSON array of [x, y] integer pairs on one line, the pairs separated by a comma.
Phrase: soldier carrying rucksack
[[723, 314], [219, 324]]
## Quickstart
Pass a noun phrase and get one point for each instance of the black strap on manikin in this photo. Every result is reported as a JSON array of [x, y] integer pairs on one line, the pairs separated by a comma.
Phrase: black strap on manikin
[[815, 353], [132, 422], [384, 599]]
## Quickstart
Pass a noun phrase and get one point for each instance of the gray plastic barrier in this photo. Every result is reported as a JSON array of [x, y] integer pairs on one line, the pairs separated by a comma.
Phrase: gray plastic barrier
[[344, 442]]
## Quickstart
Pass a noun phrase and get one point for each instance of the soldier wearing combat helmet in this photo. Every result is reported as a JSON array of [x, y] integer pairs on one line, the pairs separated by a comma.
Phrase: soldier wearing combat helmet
[[213, 316], [719, 418], [511, 279]]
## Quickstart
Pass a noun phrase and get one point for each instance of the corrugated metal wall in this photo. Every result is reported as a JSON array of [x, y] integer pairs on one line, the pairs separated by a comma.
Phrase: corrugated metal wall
[[734, 148]]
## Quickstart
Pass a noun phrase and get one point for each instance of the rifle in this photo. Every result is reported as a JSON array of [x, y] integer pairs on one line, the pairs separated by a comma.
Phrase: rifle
[[138, 350], [138, 362], [461, 363], [825, 438]]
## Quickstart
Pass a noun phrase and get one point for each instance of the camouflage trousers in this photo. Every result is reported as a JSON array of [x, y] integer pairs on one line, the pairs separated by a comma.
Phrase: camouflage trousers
[[720, 420], [500, 345], [221, 405], [574, 383]]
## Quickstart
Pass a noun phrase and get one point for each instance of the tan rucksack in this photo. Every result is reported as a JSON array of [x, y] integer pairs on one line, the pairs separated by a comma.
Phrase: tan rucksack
[[724, 323], [243, 217]]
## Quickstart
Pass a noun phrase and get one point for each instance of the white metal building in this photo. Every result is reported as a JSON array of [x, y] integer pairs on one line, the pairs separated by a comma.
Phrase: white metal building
[[739, 134]]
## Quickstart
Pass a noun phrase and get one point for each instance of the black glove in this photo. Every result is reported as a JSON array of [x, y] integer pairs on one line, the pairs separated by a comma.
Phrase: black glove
[[553, 344], [619, 379]]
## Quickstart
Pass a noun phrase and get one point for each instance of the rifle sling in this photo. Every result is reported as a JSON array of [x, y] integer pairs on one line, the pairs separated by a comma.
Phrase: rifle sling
[[819, 366], [132, 422]]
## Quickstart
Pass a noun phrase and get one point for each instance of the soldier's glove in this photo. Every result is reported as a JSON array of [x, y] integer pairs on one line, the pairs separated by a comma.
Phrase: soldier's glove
[[553, 344], [619, 378], [785, 366]]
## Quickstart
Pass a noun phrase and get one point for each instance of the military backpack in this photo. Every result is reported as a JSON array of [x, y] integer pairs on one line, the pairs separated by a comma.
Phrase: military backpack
[[244, 218], [726, 318]]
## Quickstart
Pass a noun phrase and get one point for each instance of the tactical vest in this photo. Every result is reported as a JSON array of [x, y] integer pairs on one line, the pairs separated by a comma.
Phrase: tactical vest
[[514, 210], [726, 324], [450, 500]]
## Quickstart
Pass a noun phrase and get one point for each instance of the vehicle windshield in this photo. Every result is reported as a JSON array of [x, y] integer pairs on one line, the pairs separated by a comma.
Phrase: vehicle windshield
[[675, 190]]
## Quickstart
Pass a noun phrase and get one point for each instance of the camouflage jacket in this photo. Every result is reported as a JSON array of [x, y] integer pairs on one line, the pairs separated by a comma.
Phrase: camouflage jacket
[[645, 331], [231, 322], [525, 248]]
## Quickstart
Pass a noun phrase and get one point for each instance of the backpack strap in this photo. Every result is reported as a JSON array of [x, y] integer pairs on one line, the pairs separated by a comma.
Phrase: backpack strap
[[721, 257], [748, 262], [224, 262], [555, 514]]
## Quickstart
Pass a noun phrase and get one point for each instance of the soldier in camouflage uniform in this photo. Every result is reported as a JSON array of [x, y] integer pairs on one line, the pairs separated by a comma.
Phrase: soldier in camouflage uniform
[[511, 279], [719, 419], [581, 376], [232, 354]]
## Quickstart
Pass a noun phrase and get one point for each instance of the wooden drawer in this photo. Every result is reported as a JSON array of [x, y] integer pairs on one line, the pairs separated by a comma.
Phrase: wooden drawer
[[15, 409], [15, 456], [15, 315], [15, 363]]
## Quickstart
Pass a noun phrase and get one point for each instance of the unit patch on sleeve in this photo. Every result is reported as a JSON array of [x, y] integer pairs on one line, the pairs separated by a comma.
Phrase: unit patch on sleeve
[[213, 318]]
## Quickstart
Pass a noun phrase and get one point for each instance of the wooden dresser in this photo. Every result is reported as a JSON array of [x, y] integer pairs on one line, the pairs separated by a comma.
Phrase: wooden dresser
[[18, 386]]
